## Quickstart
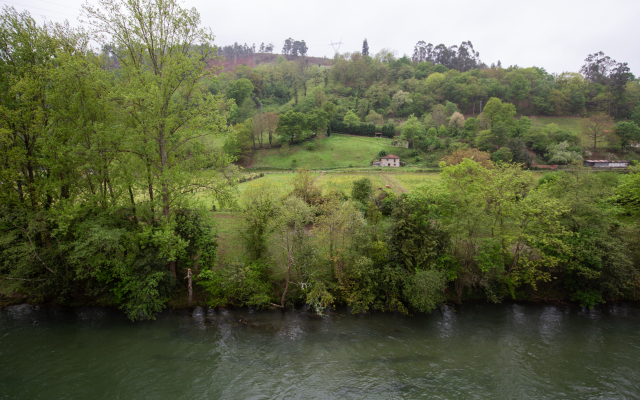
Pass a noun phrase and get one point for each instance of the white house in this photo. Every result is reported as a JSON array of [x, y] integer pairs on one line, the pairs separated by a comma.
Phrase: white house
[[390, 161]]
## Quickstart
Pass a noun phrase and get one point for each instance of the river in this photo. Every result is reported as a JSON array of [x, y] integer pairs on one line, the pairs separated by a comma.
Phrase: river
[[477, 351]]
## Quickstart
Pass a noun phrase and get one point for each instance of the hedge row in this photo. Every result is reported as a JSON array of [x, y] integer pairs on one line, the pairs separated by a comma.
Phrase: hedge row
[[388, 130]]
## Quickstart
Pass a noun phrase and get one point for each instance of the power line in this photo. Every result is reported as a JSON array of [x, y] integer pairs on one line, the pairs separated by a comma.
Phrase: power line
[[336, 49], [38, 8]]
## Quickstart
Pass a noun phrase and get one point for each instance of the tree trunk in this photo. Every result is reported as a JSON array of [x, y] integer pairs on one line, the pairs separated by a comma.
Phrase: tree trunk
[[286, 286], [190, 286]]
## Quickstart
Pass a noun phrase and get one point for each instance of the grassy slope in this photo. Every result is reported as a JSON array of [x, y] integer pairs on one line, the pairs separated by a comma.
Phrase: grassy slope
[[566, 123], [337, 151]]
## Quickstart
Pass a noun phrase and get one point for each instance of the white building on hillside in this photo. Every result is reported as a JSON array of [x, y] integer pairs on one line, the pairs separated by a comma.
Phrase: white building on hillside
[[390, 161]]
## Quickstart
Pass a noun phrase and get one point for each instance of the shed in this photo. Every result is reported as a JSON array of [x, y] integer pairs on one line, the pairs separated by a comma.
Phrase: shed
[[390, 161], [378, 134], [606, 163]]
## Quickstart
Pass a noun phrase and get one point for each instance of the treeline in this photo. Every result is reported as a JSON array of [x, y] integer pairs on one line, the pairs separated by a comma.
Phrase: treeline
[[99, 164], [483, 231], [366, 91]]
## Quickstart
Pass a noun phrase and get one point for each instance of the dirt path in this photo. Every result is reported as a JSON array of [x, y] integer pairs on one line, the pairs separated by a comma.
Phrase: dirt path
[[395, 185], [319, 175]]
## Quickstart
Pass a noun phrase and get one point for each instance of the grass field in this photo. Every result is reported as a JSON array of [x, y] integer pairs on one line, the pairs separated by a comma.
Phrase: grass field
[[228, 225], [332, 182], [566, 123], [409, 181], [336, 151], [283, 181]]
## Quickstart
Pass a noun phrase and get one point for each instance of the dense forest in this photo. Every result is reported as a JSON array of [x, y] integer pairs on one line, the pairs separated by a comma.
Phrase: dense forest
[[106, 156]]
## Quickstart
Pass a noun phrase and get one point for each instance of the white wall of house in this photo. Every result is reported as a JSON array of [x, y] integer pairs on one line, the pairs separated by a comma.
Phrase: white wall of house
[[390, 162]]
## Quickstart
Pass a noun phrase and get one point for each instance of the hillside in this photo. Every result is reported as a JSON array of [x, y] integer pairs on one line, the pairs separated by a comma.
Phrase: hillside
[[336, 151], [253, 60]]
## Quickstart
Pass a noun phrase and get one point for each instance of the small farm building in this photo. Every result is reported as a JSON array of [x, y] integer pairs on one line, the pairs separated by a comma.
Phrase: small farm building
[[390, 161], [606, 163]]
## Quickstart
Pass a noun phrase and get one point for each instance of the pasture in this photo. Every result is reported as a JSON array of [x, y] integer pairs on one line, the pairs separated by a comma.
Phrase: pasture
[[336, 151]]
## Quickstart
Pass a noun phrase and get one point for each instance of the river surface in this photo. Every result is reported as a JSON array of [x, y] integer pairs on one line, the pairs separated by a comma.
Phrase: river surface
[[507, 351]]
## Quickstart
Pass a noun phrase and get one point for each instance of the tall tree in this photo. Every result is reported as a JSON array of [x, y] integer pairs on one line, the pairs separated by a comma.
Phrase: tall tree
[[595, 128], [163, 54], [365, 47]]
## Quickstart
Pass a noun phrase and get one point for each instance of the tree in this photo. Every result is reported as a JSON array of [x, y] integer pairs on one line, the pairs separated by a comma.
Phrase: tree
[[412, 129], [476, 155], [317, 119], [270, 123], [438, 115], [27, 53], [520, 87], [594, 128], [627, 132], [450, 108], [351, 119], [260, 203], [374, 118], [163, 55], [561, 154], [456, 123], [361, 190], [365, 47], [497, 112], [240, 90], [304, 188], [238, 141], [292, 126], [288, 47], [290, 233], [470, 128]]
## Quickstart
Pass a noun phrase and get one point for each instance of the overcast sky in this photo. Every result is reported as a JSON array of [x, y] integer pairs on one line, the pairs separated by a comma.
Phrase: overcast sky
[[554, 34]]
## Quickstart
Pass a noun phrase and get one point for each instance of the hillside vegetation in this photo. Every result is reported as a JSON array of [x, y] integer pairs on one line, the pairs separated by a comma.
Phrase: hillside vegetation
[[121, 172]]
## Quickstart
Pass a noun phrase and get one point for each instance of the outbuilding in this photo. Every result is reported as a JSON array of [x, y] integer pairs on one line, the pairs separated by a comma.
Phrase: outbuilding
[[606, 163], [390, 161]]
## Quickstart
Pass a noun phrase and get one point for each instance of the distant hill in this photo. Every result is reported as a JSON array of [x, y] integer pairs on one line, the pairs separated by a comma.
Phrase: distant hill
[[262, 58]]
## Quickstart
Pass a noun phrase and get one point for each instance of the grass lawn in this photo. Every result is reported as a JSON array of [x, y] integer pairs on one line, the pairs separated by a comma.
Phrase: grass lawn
[[409, 181], [336, 151], [566, 123], [283, 181], [342, 182], [228, 225]]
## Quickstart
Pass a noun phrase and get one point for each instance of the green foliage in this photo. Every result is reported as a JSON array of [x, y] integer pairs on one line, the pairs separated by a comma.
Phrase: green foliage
[[239, 90], [498, 112], [237, 283], [503, 155], [292, 127], [561, 154], [361, 190], [627, 132], [425, 289], [351, 119], [588, 299]]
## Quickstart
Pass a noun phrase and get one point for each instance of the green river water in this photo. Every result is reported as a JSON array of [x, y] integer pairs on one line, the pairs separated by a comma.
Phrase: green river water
[[507, 351]]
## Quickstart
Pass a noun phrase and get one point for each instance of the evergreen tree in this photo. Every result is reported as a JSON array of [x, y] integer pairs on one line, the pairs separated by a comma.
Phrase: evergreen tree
[[365, 47]]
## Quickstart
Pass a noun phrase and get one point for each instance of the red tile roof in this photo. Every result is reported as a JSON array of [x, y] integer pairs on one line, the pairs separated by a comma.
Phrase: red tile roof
[[389, 156]]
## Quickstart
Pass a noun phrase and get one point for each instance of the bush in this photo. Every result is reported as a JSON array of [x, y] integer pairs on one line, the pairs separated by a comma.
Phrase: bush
[[237, 284], [424, 290], [382, 153], [311, 146]]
